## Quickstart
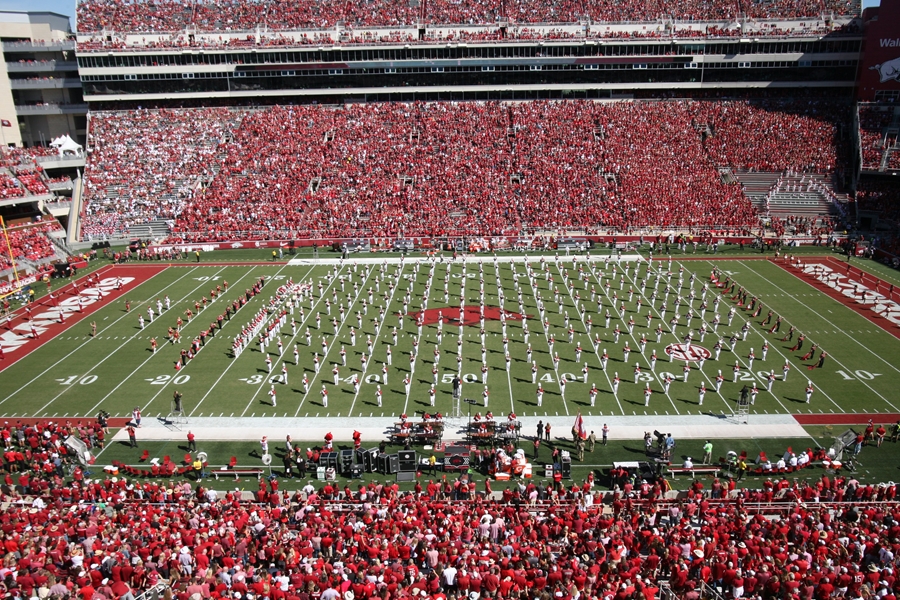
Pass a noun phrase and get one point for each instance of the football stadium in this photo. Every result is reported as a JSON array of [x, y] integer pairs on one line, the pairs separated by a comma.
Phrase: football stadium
[[450, 300]]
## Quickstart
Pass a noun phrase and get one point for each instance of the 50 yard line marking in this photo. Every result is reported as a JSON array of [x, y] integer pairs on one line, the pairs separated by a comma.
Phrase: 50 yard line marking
[[54, 365]]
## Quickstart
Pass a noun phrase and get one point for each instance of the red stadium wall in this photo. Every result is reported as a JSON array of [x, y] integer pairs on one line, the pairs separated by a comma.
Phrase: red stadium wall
[[879, 69]]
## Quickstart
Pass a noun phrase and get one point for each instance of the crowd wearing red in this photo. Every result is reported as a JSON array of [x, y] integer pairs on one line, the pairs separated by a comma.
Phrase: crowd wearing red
[[446, 168], [243, 15]]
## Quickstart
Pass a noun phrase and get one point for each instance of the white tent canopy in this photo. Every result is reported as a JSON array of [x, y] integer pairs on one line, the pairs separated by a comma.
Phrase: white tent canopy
[[67, 146]]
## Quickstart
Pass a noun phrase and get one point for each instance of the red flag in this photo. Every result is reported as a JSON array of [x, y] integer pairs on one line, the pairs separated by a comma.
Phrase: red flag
[[579, 427], [5, 123]]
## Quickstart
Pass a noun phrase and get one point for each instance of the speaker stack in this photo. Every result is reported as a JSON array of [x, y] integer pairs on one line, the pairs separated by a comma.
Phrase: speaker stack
[[346, 458]]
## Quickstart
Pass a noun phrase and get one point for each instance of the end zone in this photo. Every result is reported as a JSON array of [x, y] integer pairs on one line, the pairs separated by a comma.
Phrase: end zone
[[30, 327]]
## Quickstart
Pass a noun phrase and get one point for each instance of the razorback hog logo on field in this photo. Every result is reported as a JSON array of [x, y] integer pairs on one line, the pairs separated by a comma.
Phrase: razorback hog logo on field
[[682, 352], [471, 315]]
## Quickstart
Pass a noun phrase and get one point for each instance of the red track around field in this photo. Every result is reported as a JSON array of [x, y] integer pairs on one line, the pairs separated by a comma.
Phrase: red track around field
[[20, 342], [869, 280]]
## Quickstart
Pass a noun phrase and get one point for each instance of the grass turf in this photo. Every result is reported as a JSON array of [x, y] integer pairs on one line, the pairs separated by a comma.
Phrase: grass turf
[[72, 376]]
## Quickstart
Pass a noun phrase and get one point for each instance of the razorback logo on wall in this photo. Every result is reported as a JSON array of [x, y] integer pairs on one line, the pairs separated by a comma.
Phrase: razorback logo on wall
[[471, 315], [880, 62]]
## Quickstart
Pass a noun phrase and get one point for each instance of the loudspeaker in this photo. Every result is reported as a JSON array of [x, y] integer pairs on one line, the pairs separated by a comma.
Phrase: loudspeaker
[[328, 459], [388, 464], [406, 476], [393, 464], [346, 461], [566, 467], [407, 460]]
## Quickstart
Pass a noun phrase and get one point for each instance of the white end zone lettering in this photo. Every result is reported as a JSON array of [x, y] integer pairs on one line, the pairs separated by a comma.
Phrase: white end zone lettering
[[21, 333], [853, 289]]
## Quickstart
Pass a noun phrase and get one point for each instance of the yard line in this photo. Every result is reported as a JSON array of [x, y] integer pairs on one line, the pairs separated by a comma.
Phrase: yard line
[[597, 349], [54, 365], [337, 336], [738, 357], [857, 342], [149, 358], [267, 380], [113, 353], [631, 335], [534, 288], [377, 332], [888, 402], [234, 360]]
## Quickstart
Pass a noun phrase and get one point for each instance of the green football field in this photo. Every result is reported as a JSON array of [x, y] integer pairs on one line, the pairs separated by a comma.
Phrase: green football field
[[73, 375]]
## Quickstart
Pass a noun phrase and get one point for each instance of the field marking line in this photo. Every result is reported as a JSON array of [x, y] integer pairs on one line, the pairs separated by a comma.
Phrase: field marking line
[[127, 314], [546, 331], [130, 375], [675, 335], [869, 321], [336, 336], [597, 348], [839, 363], [377, 335], [272, 281], [107, 357], [737, 356], [235, 359], [313, 305], [615, 308]]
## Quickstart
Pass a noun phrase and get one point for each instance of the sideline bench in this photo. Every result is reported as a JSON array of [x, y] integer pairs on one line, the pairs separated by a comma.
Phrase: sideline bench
[[236, 473], [697, 470]]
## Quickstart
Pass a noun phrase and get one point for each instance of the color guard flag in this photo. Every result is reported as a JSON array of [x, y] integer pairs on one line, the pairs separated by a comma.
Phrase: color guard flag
[[579, 427], [5, 123]]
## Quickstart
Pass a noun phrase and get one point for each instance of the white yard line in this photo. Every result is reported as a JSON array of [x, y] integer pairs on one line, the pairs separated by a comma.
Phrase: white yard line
[[128, 314], [837, 362]]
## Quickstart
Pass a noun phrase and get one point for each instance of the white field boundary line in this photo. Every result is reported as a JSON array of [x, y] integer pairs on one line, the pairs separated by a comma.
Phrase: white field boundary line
[[149, 358], [886, 401], [336, 337], [653, 309], [128, 314], [267, 379], [235, 359], [114, 353], [866, 348]]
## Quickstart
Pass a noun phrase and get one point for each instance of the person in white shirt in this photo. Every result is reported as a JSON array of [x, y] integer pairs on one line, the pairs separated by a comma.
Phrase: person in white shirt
[[688, 463]]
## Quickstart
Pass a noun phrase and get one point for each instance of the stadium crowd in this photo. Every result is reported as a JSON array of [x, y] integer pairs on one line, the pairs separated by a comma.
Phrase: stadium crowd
[[447, 168], [30, 242], [112, 538], [144, 163], [874, 119], [243, 15]]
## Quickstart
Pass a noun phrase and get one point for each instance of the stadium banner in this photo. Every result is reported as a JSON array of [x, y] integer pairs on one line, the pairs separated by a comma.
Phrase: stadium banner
[[8, 287], [879, 66]]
